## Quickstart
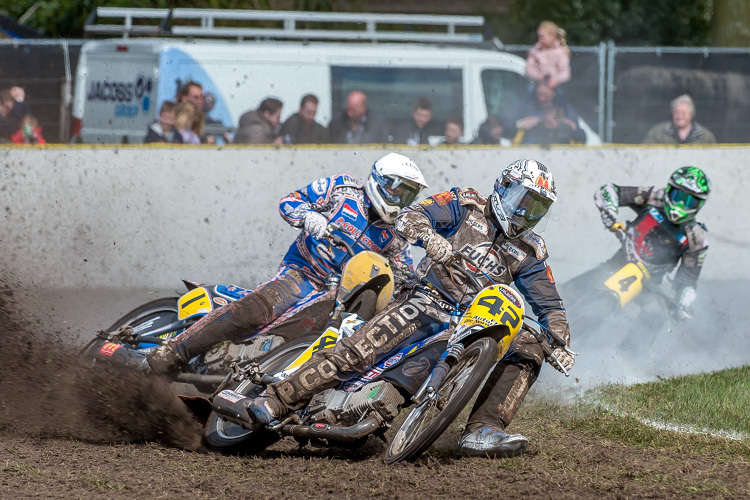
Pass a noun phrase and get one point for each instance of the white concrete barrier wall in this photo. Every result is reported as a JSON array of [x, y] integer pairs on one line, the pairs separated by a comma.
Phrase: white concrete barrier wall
[[146, 217]]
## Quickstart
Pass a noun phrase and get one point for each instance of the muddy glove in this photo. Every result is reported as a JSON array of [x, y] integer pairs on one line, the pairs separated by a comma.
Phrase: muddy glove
[[609, 216], [438, 248], [316, 225], [564, 357]]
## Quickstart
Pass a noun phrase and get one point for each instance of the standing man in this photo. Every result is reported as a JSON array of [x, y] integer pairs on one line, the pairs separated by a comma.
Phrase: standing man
[[358, 124], [259, 126], [301, 127], [682, 129], [365, 212]]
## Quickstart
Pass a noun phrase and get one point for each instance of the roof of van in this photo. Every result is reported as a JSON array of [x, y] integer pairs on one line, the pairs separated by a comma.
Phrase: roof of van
[[268, 49]]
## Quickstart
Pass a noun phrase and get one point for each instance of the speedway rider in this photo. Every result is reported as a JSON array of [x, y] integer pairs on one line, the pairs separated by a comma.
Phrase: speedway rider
[[365, 213], [495, 236], [663, 233]]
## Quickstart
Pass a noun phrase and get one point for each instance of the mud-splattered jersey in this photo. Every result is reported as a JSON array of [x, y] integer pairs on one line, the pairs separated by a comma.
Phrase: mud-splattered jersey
[[461, 216], [657, 242], [341, 199]]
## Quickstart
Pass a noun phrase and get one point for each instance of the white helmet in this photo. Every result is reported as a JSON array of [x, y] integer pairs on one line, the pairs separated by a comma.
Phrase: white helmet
[[522, 195], [394, 182]]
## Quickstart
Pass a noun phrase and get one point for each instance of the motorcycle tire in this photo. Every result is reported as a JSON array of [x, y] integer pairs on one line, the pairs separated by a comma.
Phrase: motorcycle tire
[[164, 311], [364, 305], [428, 420], [228, 437]]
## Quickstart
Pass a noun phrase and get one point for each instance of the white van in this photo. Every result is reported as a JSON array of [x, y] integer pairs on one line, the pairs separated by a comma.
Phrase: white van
[[121, 83]]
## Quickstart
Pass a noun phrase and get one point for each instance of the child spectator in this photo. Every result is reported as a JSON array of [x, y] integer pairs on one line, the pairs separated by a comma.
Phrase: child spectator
[[163, 129], [454, 130], [491, 131], [189, 122], [549, 59], [29, 132]]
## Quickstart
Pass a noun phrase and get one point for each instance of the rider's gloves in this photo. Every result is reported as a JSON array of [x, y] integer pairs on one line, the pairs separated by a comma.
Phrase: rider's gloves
[[438, 248], [564, 357], [315, 224], [609, 216]]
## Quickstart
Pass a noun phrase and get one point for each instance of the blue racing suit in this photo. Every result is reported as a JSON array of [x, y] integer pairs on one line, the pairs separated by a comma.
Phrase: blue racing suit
[[296, 301]]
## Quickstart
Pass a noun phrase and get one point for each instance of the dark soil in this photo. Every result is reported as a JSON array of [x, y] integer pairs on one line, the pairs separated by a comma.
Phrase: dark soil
[[67, 431]]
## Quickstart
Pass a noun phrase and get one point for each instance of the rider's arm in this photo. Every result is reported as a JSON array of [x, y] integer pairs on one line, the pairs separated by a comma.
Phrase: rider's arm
[[535, 281], [439, 214], [686, 278], [610, 197], [315, 197]]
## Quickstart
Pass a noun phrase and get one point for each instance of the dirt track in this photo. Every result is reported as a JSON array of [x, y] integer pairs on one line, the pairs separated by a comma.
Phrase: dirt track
[[65, 433]]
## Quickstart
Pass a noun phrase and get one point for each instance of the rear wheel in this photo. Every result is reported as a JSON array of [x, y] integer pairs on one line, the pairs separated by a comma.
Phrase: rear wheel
[[223, 435], [154, 314], [427, 421]]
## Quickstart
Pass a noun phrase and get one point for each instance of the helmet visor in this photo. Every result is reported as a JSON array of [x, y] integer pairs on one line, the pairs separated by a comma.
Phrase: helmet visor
[[683, 199], [400, 192], [524, 207]]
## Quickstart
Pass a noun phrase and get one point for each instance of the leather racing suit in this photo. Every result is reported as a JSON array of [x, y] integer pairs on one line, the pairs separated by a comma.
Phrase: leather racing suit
[[296, 301], [652, 240], [463, 217]]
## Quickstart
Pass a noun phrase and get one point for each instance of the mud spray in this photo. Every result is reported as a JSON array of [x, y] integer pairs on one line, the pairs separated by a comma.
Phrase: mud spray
[[46, 389]]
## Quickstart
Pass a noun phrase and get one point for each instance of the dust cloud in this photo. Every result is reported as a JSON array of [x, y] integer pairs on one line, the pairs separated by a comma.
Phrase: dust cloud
[[48, 390]]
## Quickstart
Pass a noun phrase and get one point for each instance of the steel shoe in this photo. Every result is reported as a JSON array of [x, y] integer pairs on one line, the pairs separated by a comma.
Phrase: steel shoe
[[485, 440]]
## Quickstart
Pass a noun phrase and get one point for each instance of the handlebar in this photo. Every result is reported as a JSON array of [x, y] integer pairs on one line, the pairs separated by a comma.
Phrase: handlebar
[[338, 240]]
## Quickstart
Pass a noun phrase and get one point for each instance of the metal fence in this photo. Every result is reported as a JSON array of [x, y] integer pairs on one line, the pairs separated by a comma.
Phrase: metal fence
[[620, 91]]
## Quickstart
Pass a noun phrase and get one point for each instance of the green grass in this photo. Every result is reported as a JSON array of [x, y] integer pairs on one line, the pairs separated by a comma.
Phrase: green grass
[[717, 401]]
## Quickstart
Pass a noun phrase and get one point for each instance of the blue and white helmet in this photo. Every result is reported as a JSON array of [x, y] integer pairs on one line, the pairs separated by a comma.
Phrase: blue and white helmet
[[522, 196], [395, 181]]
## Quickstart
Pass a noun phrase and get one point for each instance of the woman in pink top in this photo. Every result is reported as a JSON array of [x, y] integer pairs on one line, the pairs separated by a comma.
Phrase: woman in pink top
[[549, 59]]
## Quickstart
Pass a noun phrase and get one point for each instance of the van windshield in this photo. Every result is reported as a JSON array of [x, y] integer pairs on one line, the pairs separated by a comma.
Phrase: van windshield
[[393, 92], [502, 90]]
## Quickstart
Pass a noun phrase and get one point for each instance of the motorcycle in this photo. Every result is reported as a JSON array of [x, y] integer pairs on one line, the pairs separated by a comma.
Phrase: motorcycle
[[441, 372], [128, 341], [615, 290]]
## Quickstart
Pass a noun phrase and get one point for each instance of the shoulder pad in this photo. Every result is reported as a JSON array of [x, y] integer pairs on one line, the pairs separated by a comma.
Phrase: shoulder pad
[[346, 180], [537, 243], [697, 236], [469, 196]]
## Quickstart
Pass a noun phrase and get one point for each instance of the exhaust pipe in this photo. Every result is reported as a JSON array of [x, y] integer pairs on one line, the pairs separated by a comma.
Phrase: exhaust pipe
[[336, 433]]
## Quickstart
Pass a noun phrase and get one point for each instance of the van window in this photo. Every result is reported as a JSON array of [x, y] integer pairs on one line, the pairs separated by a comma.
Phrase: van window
[[502, 89], [392, 92]]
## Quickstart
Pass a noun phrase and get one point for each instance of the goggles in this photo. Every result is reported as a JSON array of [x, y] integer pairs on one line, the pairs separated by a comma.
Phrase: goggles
[[396, 191], [526, 207], [681, 198]]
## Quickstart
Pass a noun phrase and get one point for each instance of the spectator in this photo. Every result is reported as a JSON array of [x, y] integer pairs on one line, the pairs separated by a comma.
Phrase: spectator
[[454, 130], [415, 130], [553, 129], [301, 127], [163, 129], [13, 107], [491, 132], [193, 92], [528, 112], [29, 132], [549, 59], [259, 126], [189, 122], [358, 124], [682, 129]]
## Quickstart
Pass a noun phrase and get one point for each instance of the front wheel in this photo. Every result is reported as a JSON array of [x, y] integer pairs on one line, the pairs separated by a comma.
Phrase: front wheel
[[223, 435], [427, 421]]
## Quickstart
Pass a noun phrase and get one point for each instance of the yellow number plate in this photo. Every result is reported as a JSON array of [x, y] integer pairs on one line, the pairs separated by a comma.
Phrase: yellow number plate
[[627, 283], [196, 301]]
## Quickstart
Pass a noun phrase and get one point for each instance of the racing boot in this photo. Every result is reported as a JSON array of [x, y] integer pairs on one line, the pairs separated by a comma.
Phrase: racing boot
[[490, 440], [164, 358]]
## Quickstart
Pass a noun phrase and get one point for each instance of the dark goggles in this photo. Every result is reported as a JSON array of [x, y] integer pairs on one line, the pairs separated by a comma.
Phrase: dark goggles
[[397, 191], [525, 204], [683, 199]]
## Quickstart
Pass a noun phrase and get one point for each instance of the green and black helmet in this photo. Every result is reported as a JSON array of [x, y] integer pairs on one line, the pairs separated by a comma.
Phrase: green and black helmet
[[686, 193]]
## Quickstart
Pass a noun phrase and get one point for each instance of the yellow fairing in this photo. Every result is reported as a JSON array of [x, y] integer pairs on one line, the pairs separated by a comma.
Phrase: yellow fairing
[[627, 283], [362, 268], [496, 305], [196, 301], [325, 341]]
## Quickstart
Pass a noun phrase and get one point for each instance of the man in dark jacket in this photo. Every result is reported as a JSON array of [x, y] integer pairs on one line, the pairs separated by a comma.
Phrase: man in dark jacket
[[259, 126], [418, 128], [301, 127], [358, 124], [495, 237]]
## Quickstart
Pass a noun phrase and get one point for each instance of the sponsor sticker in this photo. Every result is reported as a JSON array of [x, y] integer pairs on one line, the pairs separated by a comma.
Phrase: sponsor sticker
[[514, 251], [393, 360], [472, 196], [475, 223], [230, 396], [512, 298], [427, 202], [221, 301], [320, 186], [349, 211], [109, 348], [444, 198], [549, 275]]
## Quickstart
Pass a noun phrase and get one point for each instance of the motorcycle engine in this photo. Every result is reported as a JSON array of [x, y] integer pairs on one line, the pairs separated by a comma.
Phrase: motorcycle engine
[[338, 407]]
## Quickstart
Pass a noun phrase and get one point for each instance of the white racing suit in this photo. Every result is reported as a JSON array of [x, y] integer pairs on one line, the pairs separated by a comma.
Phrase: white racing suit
[[461, 216], [298, 293]]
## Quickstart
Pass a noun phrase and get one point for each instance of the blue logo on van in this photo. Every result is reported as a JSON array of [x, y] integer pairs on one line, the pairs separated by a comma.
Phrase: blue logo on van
[[105, 90]]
